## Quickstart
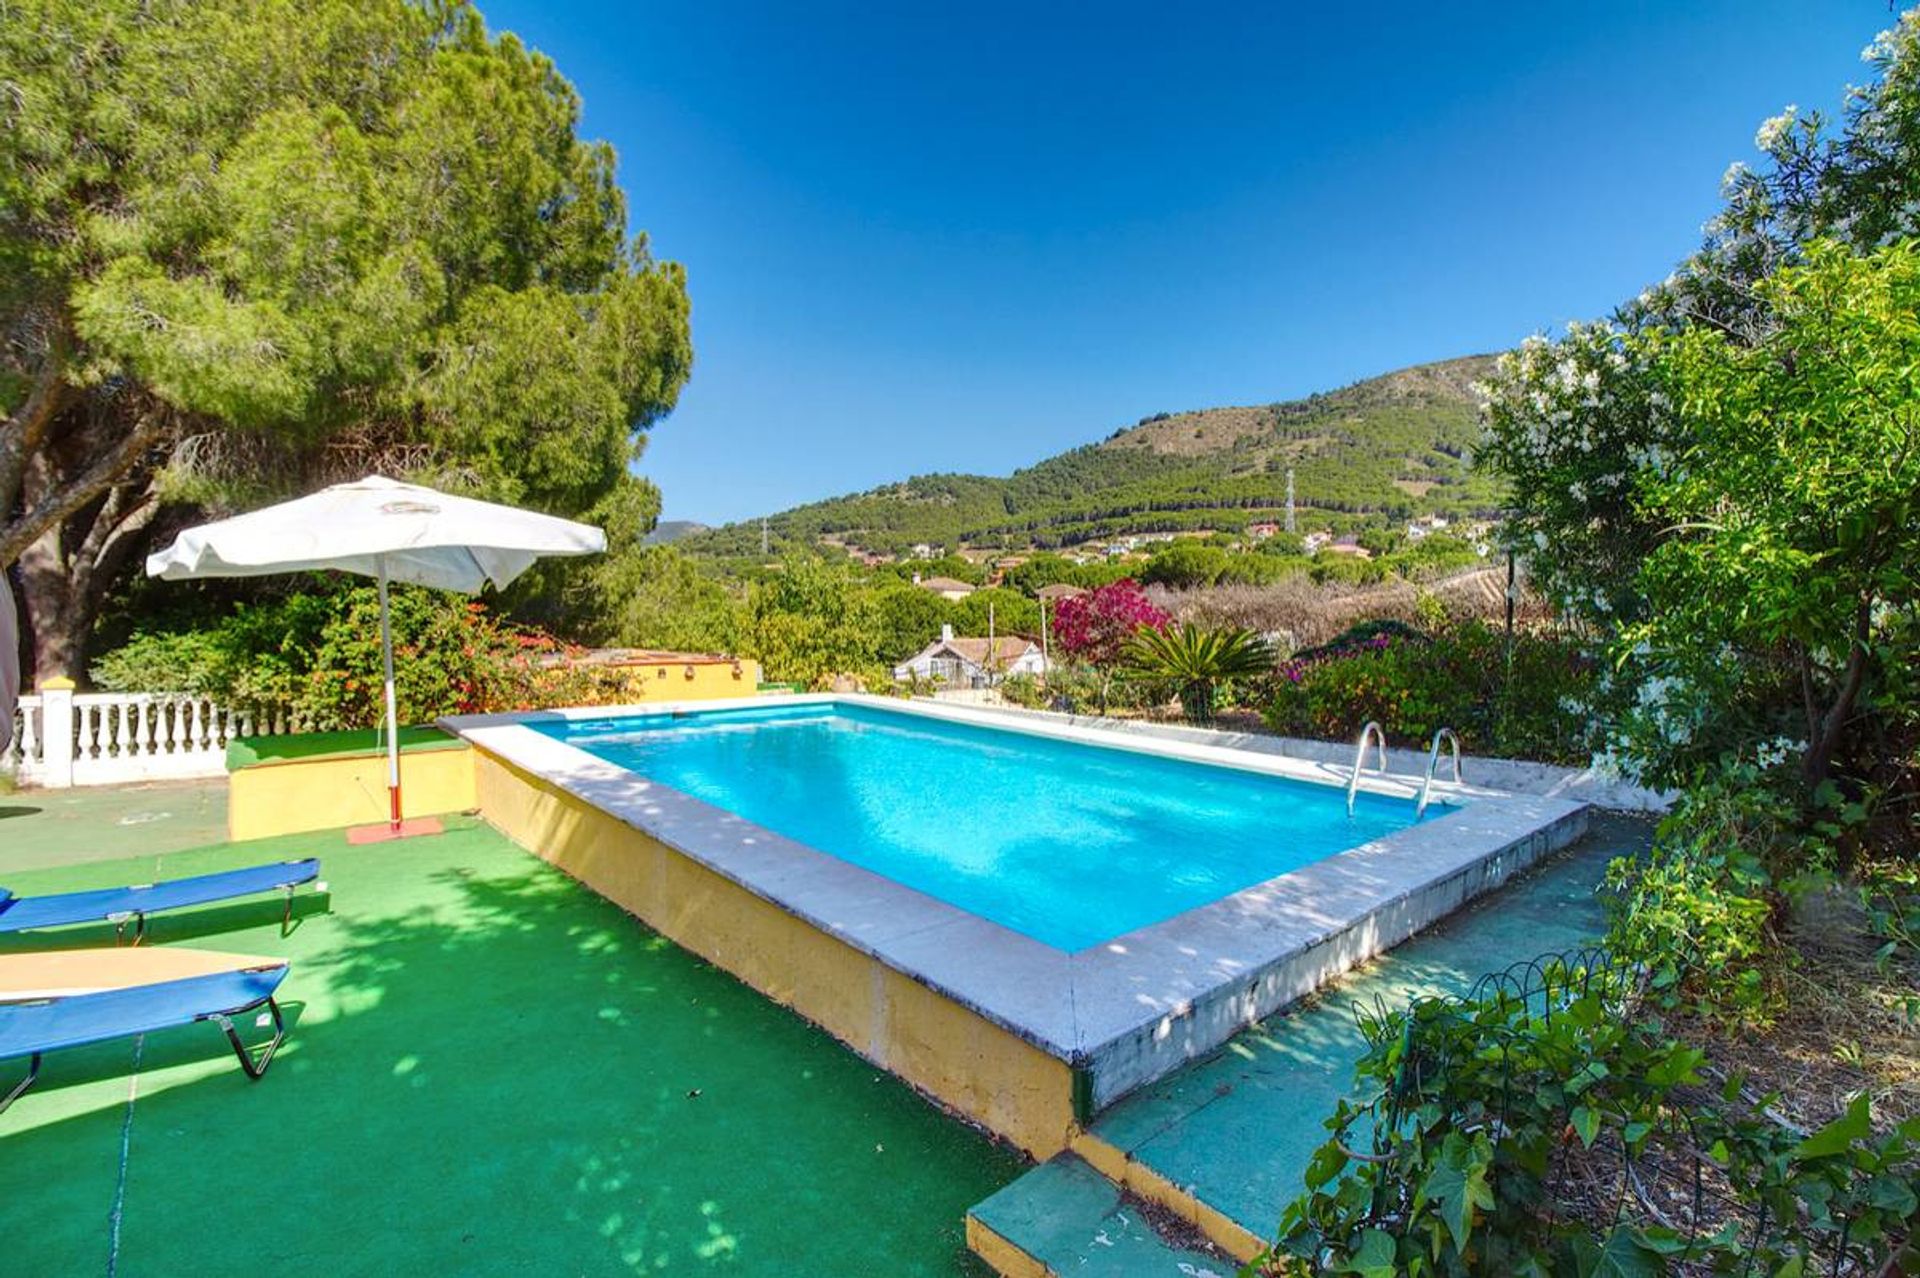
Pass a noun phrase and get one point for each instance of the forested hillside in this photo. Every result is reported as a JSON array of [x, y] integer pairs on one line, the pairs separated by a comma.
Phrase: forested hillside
[[1395, 446]]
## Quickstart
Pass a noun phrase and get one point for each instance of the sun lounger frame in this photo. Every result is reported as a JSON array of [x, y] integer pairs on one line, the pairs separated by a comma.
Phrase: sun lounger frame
[[297, 872], [253, 1060]]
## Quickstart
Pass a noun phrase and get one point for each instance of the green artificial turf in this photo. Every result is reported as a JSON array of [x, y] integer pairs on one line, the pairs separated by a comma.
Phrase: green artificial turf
[[251, 752], [490, 1070]]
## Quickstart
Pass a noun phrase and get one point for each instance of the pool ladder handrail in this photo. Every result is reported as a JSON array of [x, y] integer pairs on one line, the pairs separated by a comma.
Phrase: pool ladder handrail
[[1372, 732], [1433, 763]]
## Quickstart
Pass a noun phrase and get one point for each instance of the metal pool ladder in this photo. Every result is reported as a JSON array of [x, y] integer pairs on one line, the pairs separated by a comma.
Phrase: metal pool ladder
[[1433, 762], [1372, 732]]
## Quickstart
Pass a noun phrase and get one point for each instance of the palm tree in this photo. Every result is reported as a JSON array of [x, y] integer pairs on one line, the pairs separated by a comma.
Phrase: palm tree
[[1198, 659]]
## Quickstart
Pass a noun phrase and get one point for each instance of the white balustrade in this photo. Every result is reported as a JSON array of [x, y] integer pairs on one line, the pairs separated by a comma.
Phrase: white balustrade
[[63, 738]]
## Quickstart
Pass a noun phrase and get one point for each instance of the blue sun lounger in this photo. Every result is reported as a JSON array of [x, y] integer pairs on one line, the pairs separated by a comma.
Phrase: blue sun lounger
[[123, 904], [34, 1027]]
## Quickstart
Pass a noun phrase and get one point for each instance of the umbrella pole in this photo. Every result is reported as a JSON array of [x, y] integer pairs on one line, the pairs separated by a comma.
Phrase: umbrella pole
[[393, 718]]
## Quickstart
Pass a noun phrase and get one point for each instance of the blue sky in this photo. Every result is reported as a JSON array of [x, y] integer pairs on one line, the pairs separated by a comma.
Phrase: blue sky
[[924, 238]]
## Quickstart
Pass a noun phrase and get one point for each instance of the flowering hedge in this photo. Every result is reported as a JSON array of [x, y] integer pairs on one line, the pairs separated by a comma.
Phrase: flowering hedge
[[315, 658], [1093, 629], [1536, 707]]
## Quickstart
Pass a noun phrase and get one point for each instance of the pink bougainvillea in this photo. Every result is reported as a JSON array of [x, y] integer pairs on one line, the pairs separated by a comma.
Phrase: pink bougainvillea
[[1094, 627]]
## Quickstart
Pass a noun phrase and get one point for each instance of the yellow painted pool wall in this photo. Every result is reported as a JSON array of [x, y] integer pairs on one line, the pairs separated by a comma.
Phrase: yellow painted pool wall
[[948, 1051], [324, 794], [683, 681]]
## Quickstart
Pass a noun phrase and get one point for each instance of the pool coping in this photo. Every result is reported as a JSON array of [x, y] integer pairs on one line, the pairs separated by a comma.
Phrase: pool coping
[[1121, 1012]]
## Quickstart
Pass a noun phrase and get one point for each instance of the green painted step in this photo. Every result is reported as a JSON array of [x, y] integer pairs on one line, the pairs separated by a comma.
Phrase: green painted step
[[1235, 1129], [1068, 1219]]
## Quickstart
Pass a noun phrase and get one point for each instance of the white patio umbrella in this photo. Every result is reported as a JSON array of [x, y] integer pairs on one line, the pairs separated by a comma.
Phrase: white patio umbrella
[[387, 530]]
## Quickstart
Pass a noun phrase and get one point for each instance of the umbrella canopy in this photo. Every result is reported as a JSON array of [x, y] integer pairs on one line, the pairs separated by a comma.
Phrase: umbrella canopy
[[387, 530], [422, 536]]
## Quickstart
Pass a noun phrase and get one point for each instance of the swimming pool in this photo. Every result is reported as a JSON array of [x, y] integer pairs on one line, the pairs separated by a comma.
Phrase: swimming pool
[[1024, 915], [1067, 842]]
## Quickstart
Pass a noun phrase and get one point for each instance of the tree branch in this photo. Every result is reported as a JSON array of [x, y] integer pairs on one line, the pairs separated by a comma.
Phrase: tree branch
[[24, 431], [112, 548], [90, 483]]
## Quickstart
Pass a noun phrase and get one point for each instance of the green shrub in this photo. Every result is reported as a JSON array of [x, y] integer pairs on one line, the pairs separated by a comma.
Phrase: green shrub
[[1530, 702], [1701, 911], [1701, 916], [1024, 690], [195, 661], [1486, 1121], [1197, 661]]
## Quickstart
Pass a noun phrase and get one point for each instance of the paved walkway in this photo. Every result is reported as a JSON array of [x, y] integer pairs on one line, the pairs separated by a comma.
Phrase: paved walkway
[[44, 828], [1225, 1141]]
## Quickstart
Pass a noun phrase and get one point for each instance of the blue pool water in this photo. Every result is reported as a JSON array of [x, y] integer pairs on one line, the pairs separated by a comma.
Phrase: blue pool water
[[1071, 844]]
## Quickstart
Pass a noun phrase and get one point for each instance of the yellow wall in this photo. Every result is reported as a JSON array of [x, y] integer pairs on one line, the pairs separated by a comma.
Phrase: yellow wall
[[1228, 1234], [326, 793], [960, 1058], [668, 681], [1002, 1256]]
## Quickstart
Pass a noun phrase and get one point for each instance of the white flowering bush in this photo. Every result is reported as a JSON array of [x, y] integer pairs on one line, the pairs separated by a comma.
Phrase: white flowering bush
[[1575, 425], [1858, 185], [1716, 482], [1738, 521], [1791, 516]]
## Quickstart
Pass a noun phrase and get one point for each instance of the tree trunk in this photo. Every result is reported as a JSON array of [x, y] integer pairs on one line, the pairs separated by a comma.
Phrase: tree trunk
[[66, 572], [1832, 726], [58, 617]]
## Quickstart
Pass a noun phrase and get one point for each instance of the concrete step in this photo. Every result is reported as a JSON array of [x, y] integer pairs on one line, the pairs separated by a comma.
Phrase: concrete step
[[1224, 1142], [1065, 1218], [1220, 1147]]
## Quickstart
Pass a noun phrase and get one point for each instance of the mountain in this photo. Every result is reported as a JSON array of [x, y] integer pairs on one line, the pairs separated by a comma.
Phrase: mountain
[[673, 530], [1392, 446]]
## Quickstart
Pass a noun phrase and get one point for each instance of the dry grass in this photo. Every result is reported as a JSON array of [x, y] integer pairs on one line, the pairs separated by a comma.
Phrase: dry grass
[[1312, 613], [1196, 434], [1849, 1024]]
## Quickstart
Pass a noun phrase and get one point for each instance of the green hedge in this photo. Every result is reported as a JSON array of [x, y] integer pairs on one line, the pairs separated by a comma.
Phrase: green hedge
[[1528, 699]]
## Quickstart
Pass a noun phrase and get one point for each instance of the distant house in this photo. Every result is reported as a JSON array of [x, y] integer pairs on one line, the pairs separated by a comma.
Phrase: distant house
[[1315, 540], [922, 550], [962, 662], [1260, 532], [945, 587], [1057, 591], [1348, 545]]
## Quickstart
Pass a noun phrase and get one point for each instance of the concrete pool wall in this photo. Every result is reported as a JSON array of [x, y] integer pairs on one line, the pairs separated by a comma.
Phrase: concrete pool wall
[[970, 1064], [1023, 1039]]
